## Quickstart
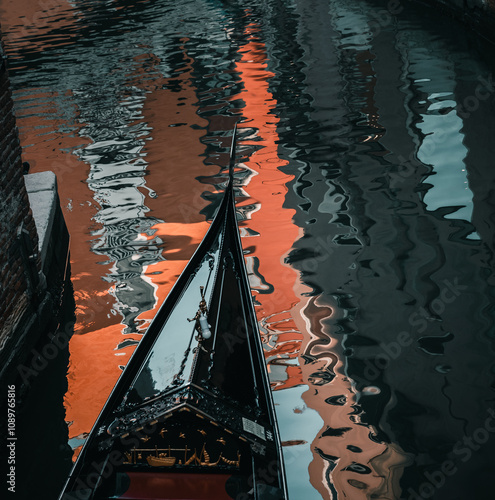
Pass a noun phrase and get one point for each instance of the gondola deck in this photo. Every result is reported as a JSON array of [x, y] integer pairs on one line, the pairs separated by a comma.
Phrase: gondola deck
[[191, 416]]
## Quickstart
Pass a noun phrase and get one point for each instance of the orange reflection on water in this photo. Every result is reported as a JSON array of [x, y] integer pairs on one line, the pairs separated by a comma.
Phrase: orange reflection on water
[[345, 458], [180, 240], [43, 152], [174, 156], [267, 189], [25, 20], [363, 468], [175, 152]]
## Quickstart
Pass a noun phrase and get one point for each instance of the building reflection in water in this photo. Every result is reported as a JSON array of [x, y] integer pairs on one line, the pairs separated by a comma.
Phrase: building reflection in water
[[349, 459], [146, 253], [271, 231]]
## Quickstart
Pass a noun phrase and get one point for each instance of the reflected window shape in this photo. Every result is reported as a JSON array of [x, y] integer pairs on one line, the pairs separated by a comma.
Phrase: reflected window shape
[[441, 144], [443, 148]]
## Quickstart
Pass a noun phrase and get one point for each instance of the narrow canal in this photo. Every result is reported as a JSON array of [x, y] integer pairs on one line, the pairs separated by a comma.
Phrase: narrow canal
[[366, 198]]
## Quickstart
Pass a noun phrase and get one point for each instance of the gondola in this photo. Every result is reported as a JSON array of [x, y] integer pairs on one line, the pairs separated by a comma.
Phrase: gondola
[[191, 416]]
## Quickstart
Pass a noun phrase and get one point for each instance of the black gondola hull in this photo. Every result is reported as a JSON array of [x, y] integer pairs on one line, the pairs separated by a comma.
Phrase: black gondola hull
[[188, 406]]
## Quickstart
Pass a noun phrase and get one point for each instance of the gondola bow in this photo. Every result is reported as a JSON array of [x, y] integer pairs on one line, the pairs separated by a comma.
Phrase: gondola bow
[[192, 414]]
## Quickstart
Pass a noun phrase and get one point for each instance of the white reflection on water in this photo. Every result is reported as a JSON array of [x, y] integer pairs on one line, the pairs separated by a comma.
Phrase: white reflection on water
[[442, 145]]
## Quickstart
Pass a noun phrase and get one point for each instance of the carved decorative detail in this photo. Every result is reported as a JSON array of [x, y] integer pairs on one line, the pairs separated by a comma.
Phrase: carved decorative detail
[[220, 410], [167, 457]]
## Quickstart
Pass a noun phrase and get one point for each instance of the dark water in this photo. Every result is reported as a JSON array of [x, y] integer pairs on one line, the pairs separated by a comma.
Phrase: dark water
[[383, 127]]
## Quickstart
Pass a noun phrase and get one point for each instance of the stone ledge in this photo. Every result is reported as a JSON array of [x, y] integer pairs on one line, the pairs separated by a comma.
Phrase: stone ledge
[[43, 198]]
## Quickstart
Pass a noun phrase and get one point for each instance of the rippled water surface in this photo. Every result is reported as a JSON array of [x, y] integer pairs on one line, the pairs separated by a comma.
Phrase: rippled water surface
[[366, 194]]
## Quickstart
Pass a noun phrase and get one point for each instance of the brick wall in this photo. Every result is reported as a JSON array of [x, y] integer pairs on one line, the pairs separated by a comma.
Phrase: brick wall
[[14, 209]]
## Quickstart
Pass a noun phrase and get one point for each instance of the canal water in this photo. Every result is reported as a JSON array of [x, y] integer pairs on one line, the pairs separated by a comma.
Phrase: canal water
[[365, 192]]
